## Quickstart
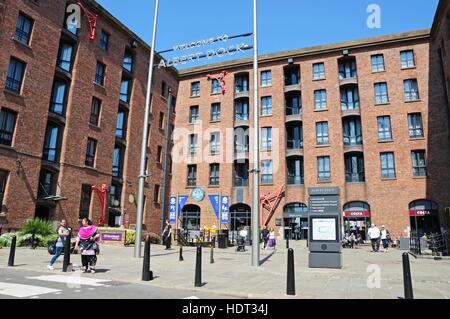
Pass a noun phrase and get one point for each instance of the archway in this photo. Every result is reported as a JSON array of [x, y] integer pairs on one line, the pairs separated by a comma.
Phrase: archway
[[295, 221], [240, 216], [357, 219], [190, 217], [424, 217]]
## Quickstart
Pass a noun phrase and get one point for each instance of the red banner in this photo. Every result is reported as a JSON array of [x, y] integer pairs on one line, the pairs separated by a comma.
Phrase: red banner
[[421, 212], [365, 213]]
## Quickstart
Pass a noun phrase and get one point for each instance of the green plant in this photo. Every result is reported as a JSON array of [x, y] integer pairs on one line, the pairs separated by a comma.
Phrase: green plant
[[38, 227], [47, 239], [6, 239], [130, 237]]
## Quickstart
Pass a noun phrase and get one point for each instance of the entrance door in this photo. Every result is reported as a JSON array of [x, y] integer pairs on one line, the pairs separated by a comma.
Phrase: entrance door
[[240, 216], [42, 212]]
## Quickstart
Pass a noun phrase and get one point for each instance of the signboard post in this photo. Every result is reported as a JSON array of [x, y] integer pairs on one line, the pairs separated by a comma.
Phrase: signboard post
[[325, 232]]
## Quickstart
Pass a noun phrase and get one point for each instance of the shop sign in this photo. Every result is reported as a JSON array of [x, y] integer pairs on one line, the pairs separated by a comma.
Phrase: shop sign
[[357, 214], [421, 212]]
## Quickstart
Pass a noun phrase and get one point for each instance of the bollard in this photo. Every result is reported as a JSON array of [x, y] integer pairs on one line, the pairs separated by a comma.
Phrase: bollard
[[290, 289], [407, 277], [212, 255], [147, 274], [66, 260], [33, 241], [12, 252], [287, 241], [198, 267], [181, 253]]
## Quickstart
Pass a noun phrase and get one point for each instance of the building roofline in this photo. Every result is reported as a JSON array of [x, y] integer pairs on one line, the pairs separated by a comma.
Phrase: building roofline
[[320, 49], [93, 4]]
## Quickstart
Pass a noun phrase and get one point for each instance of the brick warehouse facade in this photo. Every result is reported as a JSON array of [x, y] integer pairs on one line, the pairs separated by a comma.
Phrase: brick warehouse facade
[[46, 153], [382, 124], [361, 121]]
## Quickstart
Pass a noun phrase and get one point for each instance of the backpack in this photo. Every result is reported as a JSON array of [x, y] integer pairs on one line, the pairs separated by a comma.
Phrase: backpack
[[52, 247]]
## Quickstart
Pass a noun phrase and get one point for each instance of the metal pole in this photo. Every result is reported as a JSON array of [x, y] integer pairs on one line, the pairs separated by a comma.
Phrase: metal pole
[[142, 176], [256, 208], [166, 150]]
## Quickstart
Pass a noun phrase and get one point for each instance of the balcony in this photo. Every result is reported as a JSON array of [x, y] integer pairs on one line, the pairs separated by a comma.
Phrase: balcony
[[354, 111], [295, 180], [350, 80], [293, 88], [355, 177], [293, 114], [240, 182]]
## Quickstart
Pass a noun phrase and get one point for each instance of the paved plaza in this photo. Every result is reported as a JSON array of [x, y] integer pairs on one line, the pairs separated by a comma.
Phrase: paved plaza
[[365, 275]]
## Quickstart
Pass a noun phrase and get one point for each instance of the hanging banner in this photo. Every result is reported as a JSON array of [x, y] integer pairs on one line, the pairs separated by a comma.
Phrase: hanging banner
[[214, 199], [173, 209], [225, 209], [181, 202]]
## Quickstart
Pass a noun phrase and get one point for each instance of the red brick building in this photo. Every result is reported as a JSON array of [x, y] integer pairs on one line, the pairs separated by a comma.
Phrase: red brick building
[[358, 115], [72, 113]]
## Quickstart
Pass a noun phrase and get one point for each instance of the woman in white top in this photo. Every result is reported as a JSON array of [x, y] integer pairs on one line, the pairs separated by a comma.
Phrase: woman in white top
[[385, 238]]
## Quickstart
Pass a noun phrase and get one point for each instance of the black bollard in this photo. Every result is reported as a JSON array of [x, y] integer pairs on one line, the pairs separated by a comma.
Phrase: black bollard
[[198, 267], [287, 241], [12, 252], [212, 255], [33, 241], [66, 260], [181, 253], [290, 289], [147, 274], [407, 277]]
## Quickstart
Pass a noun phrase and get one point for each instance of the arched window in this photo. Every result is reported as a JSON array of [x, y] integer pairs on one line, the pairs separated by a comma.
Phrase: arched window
[[191, 217], [240, 216], [296, 209]]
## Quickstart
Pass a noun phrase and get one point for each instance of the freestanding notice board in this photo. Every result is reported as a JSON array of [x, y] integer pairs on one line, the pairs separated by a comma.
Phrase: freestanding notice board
[[324, 224]]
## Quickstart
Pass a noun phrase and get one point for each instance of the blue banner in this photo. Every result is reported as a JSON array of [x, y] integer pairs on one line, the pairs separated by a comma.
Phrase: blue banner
[[181, 202], [214, 199], [225, 209], [173, 210]]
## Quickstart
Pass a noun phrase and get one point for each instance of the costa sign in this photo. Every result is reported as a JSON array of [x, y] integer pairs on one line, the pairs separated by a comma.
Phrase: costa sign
[[422, 212], [357, 214]]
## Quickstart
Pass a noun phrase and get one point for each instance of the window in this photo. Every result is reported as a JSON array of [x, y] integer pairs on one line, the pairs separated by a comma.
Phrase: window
[[267, 172], [319, 71], [115, 193], [350, 98], [352, 131], [322, 133], [241, 84], [193, 144], [387, 165], [241, 110], [347, 69], [163, 88], [65, 56], [194, 116], [125, 90], [241, 140], [100, 73], [320, 100], [7, 126], [354, 168], [241, 174], [295, 171], [292, 75], [161, 120], [419, 163], [415, 125], [90, 152], [215, 143], [324, 172], [411, 90], [118, 161], [214, 174], [14, 78], [192, 175], [121, 124], [293, 104], [128, 61], [156, 194], [104, 40], [95, 111], [407, 59], [23, 29], [266, 105], [294, 136], [215, 86], [378, 63], [159, 155], [384, 128], [58, 102], [52, 142], [47, 186], [85, 201], [266, 138], [381, 93], [3, 180], [215, 112], [266, 78], [195, 89]]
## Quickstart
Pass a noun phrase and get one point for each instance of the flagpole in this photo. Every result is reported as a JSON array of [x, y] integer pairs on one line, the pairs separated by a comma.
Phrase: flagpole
[[256, 208], [142, 175]]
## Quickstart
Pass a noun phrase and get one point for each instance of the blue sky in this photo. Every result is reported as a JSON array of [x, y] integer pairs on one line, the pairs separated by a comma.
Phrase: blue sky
[[283, 24]]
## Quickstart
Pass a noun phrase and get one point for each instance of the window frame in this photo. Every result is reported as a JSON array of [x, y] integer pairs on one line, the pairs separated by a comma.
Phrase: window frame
[[4, 131], [13, 84], [320, 102], [379, 93], [266, 108], [410, 57], [322, 138], [214, 174], [319, 71], [195, 88], [20, 32], [377, 63], [413, 125], [100, 76], [387, 162], [91, 152], [382, 131], [419, 169], [323, 162], [266, 78]]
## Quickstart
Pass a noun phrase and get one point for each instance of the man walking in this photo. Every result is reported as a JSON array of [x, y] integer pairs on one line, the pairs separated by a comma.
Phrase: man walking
[[374, 235], [63, 232], [167, 235], [265, 236]]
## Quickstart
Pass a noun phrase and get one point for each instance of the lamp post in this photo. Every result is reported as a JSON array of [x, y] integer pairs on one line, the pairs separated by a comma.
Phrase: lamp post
[[142, 176]]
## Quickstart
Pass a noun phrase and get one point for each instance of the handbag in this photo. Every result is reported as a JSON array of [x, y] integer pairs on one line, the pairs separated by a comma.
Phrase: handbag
[[51, 247]]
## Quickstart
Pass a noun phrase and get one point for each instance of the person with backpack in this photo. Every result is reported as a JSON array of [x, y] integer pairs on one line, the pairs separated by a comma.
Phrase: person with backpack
[[87, 242], [63, 231], [385, 238], [265, 236]]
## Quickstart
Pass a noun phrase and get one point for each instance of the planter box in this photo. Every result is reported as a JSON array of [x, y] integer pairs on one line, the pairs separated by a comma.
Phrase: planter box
[[112, 236]]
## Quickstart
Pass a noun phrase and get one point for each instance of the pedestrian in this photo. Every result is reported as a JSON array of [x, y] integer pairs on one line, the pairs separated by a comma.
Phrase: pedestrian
[[385, 238], [297, 231], [272, 241], [167, 235], [63, 231], [87, 242], [265, 236], [374, 235]]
